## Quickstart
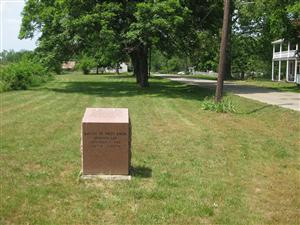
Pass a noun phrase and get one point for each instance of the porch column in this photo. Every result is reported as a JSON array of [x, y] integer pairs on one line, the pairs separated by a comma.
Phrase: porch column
[[280, 50], [287, 70], [273, 62], [288, 63], [279, 71], [296, 61], [272, 70]]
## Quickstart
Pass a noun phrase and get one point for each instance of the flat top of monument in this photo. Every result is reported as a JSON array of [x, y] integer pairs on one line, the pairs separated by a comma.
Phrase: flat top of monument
[[106, 115]]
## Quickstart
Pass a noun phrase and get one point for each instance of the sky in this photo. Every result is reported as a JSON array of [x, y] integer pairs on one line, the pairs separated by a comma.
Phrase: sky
[[10, 22]]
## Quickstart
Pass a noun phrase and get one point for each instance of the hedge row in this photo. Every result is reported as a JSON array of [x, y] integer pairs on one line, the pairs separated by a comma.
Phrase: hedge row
[[22, 75]]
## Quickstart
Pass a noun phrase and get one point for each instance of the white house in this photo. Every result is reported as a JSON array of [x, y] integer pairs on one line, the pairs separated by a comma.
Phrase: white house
[[123, 68], [284, 51]]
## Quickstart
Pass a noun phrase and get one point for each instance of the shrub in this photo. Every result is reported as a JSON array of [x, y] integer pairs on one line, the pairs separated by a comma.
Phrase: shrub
[[22, 75], [86, 64], [225, 106]]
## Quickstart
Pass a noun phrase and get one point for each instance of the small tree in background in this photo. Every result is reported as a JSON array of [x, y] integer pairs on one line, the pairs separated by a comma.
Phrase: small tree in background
[[86, 63]]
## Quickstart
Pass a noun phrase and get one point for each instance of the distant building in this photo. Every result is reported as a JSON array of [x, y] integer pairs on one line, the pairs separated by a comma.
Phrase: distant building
[[191, 70], [70, 65], [123, 68], [287, 52]]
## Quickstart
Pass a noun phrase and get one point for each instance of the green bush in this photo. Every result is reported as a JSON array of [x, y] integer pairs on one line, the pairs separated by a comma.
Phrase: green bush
[[22, 75], [225, 106], [86, 64]]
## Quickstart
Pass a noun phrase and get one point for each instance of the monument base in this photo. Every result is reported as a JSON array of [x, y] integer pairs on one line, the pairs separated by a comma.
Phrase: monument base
[[105, 177]]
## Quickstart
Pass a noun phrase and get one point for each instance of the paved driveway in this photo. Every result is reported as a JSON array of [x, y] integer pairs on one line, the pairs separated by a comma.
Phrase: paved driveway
[[288, 100]]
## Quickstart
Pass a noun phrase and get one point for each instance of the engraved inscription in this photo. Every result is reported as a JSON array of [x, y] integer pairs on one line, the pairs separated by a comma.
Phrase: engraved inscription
[[104, 140]]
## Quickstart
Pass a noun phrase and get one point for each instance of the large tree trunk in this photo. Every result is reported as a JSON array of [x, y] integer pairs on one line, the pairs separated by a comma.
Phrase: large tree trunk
[[139, 58], [143, 66], [117, 69], [242, 75], [228, 49], [150, 61], [228, 56], [135, 63], [222, 61]]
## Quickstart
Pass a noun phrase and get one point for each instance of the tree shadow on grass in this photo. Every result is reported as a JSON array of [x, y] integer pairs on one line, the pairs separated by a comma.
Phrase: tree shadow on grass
[[128, 88], [113, 76], [141, 171], [255, 110]]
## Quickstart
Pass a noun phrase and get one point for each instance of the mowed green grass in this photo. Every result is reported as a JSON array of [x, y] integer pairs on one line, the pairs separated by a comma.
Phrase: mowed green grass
[[276, 85], [190, 166]]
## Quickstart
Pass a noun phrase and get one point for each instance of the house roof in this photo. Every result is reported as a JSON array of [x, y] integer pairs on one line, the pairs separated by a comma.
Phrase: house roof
[[278, 41]]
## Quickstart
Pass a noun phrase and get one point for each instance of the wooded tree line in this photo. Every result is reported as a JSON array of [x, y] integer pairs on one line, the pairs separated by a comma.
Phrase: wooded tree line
[[12, 57], [189, 30]]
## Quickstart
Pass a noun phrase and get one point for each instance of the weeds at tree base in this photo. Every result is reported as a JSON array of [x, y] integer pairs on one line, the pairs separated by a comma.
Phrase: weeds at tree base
[[225, 106]]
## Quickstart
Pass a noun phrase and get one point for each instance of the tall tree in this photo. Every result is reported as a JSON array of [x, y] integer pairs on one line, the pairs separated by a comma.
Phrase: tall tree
[[71, 27]]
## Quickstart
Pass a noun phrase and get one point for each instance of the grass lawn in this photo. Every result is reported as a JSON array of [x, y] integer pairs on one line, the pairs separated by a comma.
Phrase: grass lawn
[[200, 76], [191, 166], [280, 86], [206, 77]]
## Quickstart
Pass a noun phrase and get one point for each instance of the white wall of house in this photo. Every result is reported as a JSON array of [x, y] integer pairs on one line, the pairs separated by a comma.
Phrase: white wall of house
[[123, 68], [285, 56]]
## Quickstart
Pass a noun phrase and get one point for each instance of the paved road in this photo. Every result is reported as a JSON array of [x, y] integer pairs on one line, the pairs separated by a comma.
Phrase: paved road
[[288, 100]]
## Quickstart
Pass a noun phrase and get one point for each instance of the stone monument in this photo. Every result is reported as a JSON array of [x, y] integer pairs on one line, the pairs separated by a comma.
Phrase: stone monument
[[106, 142]]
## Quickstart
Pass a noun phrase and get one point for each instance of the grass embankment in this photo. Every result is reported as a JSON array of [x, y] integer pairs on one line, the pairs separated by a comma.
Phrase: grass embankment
[[279, 86], [205, 77], [199, 76], [191, 166], [276, 85]]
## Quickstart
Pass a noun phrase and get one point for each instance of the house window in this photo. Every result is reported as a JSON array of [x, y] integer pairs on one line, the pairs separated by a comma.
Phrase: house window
[[277, 48], [285, 46], [293, 46]]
